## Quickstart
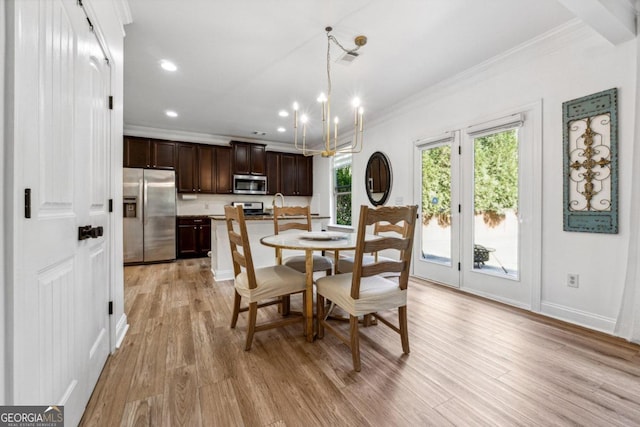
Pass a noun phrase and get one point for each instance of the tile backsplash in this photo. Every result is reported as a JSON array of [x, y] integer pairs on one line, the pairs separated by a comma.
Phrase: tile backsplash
[[213, 204]]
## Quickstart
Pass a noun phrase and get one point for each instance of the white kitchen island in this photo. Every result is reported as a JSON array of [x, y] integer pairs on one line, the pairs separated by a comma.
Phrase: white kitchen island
[[257, 227]]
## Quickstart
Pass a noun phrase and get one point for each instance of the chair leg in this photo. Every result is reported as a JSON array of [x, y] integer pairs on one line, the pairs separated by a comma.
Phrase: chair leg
[[286, 305], [355, 342], [236, 309], [251, 324], [404, 331], [367, 320], [320, 315]]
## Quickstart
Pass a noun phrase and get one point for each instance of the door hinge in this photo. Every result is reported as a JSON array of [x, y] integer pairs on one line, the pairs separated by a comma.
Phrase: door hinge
[[110, 307], [27, 203], [79, 2], [459, 149], [90, 24], [459, 208], [459, 267], [110, 102], [110, 205]]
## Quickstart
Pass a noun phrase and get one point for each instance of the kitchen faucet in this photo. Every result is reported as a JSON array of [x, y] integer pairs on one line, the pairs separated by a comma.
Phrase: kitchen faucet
[[273, 202]]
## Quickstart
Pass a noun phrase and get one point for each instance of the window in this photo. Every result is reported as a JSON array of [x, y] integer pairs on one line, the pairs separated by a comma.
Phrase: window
[[342, 189]]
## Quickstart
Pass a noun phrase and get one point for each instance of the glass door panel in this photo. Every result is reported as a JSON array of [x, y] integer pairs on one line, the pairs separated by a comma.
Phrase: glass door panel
[[436, 204], [437, 252], [495, 204]]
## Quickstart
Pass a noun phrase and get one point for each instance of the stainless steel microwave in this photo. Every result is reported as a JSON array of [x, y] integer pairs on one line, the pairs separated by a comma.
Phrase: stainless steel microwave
[[249, 184]]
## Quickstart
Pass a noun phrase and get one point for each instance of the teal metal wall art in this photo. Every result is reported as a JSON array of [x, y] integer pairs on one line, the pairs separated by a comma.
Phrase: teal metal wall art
[[590, 137]]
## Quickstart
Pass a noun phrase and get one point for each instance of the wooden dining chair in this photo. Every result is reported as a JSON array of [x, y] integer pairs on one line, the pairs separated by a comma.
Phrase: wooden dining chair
[[303, 223], [365, 290], [269, 284], [345, 263]]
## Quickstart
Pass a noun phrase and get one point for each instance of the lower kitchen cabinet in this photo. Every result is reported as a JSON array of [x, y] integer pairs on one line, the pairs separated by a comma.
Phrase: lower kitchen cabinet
[[193, 237]]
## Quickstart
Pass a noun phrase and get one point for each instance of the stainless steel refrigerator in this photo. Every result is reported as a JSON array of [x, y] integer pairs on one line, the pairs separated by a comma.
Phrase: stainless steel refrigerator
[[149, 222]]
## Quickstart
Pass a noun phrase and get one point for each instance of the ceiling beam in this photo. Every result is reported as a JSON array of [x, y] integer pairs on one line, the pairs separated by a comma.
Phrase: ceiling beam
[[615, 20]]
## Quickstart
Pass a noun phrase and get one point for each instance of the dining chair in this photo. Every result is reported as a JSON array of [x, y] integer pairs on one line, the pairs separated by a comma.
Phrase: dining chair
[[272, 283], [345, 263], [365, 290], [303, 216]]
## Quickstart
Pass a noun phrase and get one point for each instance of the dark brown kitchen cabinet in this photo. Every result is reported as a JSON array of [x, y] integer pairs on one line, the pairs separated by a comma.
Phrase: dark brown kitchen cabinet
[[248, 159], [187, 171], [296, 175], [224, 171], [273, 172], [206, 169], [148, 153], [196, 168], [193, 237]]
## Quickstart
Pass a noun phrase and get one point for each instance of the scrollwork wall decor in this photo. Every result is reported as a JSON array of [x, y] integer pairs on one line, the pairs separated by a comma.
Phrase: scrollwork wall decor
[[591, 163]]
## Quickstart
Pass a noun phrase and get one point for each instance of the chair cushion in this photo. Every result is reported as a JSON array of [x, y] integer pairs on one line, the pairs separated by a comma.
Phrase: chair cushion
[[272, 282], [376, 293], [320, 263]]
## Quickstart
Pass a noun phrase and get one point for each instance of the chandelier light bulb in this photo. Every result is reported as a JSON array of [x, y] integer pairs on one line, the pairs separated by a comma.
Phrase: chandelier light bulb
[[322, 97], [355, 102], [295, 106], [304, 118]]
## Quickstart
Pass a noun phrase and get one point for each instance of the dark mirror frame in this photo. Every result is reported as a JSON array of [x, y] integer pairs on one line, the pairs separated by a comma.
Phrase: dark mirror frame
[[378, 178]]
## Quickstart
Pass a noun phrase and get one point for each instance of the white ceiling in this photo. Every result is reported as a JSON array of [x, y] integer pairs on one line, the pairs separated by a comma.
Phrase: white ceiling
[[240, 62]]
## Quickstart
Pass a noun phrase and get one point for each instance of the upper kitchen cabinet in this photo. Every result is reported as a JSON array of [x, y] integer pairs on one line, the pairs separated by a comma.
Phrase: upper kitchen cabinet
[[148, 153], [296, 175], [224, 172], [273, 172], [249, 159], [196, 168]]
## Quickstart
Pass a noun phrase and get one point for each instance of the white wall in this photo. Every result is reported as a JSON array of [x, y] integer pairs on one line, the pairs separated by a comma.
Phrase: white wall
[[570, 63], [3, 203]]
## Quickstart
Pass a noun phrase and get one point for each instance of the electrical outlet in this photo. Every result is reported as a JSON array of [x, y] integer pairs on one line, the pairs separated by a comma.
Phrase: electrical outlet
[[573, 280]]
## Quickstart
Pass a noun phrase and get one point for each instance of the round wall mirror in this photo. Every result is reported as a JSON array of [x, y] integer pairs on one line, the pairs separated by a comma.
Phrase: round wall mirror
[[378, 178]]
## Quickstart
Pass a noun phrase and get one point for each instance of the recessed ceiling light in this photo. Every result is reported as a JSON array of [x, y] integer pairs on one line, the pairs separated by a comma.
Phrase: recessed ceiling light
[[168, 65], [281, 129], [171, 113], [283, 113]]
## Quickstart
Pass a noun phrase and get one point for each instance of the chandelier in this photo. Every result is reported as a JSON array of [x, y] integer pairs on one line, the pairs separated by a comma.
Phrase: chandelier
[[330, 148]]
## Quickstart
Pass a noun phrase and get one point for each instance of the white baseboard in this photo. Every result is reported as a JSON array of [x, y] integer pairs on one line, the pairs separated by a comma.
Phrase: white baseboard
[[503, 300], [578, 317], [220, 275], [121, 329]]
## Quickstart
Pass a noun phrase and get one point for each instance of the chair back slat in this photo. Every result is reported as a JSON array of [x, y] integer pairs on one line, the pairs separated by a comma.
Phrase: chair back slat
[[301, 213], [239, 243], [399, 219], [382, 267], [385, 243], [292, 226]]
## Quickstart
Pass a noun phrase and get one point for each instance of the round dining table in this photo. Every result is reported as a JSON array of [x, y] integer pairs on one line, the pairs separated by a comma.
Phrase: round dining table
[[309, 242]]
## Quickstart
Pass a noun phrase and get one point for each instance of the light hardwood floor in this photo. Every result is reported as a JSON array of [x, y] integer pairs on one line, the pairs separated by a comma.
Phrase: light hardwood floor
[[472, 362]]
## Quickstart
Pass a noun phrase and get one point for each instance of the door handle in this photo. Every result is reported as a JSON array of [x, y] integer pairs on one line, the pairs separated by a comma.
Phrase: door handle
[[88, 232]]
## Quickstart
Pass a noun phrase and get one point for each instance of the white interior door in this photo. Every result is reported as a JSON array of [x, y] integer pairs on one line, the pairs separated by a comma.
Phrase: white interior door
[[61, 136], [479, 192]]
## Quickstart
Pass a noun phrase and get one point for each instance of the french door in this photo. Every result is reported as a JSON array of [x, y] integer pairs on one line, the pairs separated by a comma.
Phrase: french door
[[477, 192]]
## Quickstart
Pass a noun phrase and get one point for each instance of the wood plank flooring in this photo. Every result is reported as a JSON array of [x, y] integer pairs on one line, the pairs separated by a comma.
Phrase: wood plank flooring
[[472, 362]]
